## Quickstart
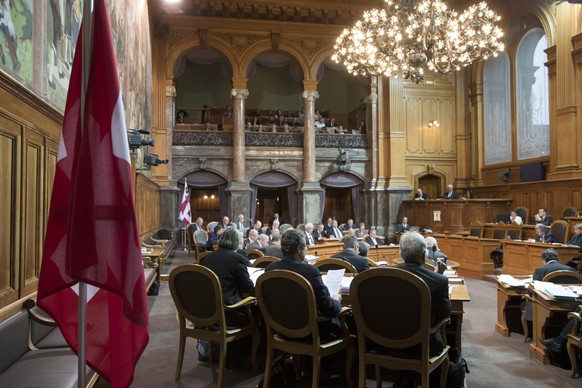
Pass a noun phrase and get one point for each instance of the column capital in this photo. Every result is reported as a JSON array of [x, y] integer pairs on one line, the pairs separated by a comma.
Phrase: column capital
[[310, 95], [372, 98], [170, 91], [239, 93]]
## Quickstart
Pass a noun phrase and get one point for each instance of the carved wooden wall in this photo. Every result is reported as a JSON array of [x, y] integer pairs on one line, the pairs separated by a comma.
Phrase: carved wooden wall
[[147, 204]]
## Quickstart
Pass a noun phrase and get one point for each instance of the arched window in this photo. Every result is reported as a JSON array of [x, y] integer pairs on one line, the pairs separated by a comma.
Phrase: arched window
[[497, 110], [532, 98]]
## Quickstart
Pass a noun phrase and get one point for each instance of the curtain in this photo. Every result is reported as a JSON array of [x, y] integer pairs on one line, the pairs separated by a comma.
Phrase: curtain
[[292, 199], [321, 202], [357, 203], [223, 200], [275, 179], [343, 180], [253, 206]]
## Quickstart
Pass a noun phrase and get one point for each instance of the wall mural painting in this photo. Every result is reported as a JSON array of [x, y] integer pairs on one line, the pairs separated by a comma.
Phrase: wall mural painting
[[40, 36], [16, 21]]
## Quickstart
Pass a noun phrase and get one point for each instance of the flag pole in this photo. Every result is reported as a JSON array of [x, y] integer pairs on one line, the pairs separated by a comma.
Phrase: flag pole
[[82, 311]]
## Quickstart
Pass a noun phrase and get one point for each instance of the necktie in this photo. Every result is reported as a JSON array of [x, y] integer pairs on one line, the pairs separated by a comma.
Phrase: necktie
[[310, 237], [337, 233]]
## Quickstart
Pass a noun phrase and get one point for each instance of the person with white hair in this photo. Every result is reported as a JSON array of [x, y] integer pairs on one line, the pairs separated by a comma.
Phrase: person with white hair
[[253, 237], [451, 193], [433, 251], [309, 234]]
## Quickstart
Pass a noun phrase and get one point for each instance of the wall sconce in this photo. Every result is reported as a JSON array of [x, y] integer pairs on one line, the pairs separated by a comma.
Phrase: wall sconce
[[434, 123], [206, 196]]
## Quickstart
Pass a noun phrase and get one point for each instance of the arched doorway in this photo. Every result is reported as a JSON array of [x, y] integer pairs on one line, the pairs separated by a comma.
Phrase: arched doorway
[[274, 192], [208, 196], [342, 197]]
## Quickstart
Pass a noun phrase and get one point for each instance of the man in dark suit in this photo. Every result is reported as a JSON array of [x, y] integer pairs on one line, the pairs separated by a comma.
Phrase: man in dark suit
[[274, 248], [372, 239], [198, 225], [421, 195], [293, 246], [349, 225], [334, 231], [225, 222], [309, 234], [551, 264], [231, 269], [451, 193], [543, 234], [350, 254], [413, 251], [543, 218], [240, 222], [319, 232], [403, 227]]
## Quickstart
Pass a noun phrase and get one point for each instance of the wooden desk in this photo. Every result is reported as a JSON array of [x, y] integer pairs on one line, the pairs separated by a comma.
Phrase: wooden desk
[[545, 308], [522, 257], [472, 253], [455, 215], [153, 259], [509, 301], [327, 248], [525, 231]]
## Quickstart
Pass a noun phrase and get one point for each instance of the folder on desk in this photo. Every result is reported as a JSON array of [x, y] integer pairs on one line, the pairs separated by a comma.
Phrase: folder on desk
[[558, 291]]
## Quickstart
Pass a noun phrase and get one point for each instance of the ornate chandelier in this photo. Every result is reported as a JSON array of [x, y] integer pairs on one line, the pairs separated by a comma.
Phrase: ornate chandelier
[[407, 36]]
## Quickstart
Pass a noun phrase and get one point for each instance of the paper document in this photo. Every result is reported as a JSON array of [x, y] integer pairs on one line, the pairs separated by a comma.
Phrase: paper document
[[456, 280], [346, 283], [254, 273], [333, 280], [559, 291], [510, 281]]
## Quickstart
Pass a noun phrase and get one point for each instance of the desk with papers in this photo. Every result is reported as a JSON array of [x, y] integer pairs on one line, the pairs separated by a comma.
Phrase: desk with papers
[[523, 257], [510, 291]]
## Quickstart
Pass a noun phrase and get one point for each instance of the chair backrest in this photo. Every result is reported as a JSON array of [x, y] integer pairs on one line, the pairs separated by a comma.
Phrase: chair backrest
[[393, 322], [284, 227], [563, 277], [294, 317], [559, 229], [514, 234], [522, 212], [569, 212], [301, 227], [201, 237], [254, 254], [476, 232], [211, 225], [372, 263], [499, 234], [206, 308], [327, 264], [264, 261], [200, 256]]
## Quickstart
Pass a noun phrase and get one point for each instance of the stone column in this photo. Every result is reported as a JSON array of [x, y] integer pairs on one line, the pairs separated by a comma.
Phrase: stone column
[[238, 136], [240, 191], [310, 190]]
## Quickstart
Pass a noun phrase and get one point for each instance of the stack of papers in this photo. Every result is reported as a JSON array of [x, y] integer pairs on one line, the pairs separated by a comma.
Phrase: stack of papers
[[558, 291], [333, 280], [456, 280], [254, 273], [510, 281]]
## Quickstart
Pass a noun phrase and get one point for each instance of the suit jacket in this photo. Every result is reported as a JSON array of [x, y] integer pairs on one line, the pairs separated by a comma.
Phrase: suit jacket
[[317, 235], [423, 196], [454, 195], [240, 225], [372, 243], [576, 240], [313, 238], [436, 255], [331, 233], [326, 306], [438, 286], [400, 228], [547, 220], [273, 250], [231, 269], [346, 227], [539, 274], [249, 229], [253, 245], [196, 227], [546, 238], [360, 263]]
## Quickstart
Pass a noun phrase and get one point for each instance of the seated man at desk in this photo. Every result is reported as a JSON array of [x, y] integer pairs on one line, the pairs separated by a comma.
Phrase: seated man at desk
[[551, 264], [372, 239], [433, 251], [556, 346], [543, 218], [420, 195], [543, 234], [350, 254], [451, 193], [349, 225], [403, 227], [576, 239], [309, 234], [334, 231], [319, 233], [294, 246]]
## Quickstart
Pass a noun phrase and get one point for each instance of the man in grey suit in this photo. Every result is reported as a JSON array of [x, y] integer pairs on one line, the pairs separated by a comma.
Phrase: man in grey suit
[[350, 254]]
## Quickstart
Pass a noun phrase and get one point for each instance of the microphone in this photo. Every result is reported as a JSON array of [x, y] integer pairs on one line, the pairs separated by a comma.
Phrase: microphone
[[434, 248]]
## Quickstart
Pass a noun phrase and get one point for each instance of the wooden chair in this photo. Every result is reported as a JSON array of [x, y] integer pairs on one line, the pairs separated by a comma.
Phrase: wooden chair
[[264, 261], [514, 234], [200, 256], [559, 229], [327, 264], [395, 323], [292, 322], [190, 238], [211, 225], [522, 212], [200, 240], [206, 312], [254, 254], [569, 212], [284, 227], [499, 234], [557, 277], [476, 231], [372, 263], [574, 339]]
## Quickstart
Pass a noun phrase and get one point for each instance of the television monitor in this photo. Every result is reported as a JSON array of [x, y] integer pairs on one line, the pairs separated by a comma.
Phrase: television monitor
[[531, 172], [503, 217]]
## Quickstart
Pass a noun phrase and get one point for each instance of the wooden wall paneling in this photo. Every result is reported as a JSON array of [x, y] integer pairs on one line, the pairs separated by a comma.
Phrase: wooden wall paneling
[[431, 141], [10, 159], [147, 204], [447, 129], [414, 135], [33, 210]]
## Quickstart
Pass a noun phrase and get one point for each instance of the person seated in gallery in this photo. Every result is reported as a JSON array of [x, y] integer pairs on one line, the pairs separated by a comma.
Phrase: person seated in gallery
[[543, 218], [348, 225], [286, 127], [433, 251], [451, 193], [576, 239], [350, 254], [404, 226], [551, 264], [361, 232], [420, 195], [334, 231], [372, 239], [514, 219], [274, 128], [362, 127], [293, 246], [213, 237], [543, 234]]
